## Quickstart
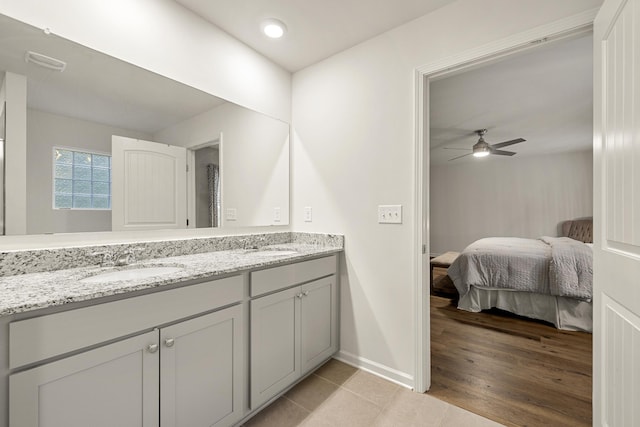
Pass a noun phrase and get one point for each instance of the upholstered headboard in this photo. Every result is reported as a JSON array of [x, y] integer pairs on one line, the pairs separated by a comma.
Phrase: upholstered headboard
[[579, 229]]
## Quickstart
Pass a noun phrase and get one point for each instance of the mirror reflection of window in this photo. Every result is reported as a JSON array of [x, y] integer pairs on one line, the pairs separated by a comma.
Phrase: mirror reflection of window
[[82, 180]]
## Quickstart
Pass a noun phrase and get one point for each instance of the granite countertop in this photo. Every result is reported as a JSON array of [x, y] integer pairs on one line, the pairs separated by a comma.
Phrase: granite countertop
[[26, 292]]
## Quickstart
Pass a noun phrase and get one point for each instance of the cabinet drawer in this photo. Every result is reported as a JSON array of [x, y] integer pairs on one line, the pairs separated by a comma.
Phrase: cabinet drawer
[[47, 336], [272, 279]]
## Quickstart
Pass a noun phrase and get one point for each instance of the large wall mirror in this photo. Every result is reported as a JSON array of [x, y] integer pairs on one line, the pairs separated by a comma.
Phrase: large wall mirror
[[236, 161]]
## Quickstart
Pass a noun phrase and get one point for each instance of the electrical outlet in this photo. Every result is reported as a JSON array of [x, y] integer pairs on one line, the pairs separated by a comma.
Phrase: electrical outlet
[[231, 214], [390, 214], [276, 215], [308, 214]]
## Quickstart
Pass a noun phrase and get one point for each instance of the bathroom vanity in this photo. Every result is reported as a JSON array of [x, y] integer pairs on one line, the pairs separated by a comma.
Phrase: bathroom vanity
[[210, 342]]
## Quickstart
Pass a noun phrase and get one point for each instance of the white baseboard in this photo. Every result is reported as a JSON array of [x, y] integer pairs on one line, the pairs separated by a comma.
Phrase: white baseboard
[[401, 378]]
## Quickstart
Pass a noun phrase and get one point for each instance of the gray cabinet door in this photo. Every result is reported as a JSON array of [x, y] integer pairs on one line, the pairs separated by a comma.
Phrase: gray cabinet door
[[318, 322], [114, 385], [201, 370], [292, 332], [274, 344]]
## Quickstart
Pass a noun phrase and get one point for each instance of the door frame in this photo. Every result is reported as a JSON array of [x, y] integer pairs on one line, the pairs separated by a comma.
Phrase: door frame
[[520, 42]]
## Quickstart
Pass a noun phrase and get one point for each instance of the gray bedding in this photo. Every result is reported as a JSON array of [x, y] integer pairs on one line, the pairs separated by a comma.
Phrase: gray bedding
[[549, 265], [570, 268]]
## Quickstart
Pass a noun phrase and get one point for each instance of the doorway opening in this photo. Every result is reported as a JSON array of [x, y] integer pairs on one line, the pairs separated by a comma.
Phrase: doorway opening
[[507, 193], [513, 46]]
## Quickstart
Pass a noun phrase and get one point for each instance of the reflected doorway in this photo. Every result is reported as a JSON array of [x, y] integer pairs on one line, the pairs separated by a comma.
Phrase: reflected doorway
[[205, 185]]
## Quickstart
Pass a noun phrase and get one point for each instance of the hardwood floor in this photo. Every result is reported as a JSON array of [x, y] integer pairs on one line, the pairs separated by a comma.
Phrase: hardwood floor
[[515, 371]]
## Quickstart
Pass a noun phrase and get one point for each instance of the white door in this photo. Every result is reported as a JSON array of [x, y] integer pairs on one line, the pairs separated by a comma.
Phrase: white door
[[114, 385], [149, 185], [616, 334]]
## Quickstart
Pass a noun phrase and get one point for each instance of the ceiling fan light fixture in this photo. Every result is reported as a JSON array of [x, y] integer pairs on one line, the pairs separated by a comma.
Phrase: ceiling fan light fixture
[[481, 148], [273, 28]]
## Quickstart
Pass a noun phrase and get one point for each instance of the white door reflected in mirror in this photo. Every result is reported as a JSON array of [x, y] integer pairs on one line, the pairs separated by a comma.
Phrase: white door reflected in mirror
[[149, 182]]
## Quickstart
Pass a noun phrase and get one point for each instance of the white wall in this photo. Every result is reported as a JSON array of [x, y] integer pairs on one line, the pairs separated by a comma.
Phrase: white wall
[[15, 199], [254, 160], [45, 131], [353, 149], [516, 196], [164, 37], [3, 97], [3, 94]]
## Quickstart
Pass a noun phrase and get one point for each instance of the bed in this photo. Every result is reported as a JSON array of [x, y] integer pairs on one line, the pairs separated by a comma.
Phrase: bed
[[549, 278]]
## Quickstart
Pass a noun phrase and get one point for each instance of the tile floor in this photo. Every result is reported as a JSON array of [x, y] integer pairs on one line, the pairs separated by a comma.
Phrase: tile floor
[[340, 395]]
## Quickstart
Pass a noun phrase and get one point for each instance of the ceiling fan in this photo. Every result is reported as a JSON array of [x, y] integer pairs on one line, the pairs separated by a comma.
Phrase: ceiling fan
[[482, 148]]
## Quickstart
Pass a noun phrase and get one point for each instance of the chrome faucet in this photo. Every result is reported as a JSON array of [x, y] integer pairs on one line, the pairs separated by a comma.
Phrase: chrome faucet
[[107, 258], [128, 256], [247, 245]]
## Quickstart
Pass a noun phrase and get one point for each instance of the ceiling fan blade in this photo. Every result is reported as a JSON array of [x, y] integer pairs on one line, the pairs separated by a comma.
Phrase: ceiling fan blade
[[507, 143], [456, 148], [464, 155], [503, 152]]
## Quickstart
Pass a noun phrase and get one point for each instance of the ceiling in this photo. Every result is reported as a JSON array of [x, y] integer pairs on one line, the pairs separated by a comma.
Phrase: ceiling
[[544, 95], [316, 29]]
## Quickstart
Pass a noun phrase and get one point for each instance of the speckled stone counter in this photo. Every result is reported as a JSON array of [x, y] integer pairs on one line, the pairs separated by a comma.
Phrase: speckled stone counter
[[41, 260], [25, 292]]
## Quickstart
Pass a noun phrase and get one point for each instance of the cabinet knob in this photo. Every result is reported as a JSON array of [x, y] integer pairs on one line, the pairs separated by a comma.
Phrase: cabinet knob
[[299, 296], [169, 342], [305, 293], [152, 348]]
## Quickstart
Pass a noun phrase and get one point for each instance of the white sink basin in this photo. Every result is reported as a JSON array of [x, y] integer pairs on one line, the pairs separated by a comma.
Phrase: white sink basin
[[275, 253], [132, 274]]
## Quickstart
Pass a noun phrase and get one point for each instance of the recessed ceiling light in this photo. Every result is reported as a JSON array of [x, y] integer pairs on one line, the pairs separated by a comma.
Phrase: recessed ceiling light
[[273, 28]]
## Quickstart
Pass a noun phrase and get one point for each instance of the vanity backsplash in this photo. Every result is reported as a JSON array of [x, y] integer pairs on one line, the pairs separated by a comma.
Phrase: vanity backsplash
[[42, 260]]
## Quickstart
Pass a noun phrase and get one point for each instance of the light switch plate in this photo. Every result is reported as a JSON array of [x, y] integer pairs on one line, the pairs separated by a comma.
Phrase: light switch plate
[[276, 215], [390, 214], [231, 214], [308, 214]]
